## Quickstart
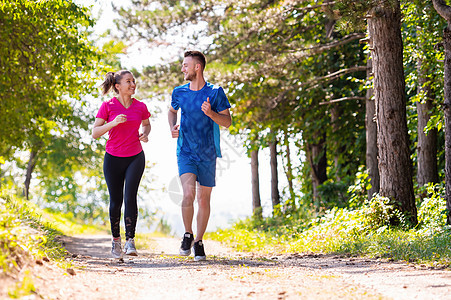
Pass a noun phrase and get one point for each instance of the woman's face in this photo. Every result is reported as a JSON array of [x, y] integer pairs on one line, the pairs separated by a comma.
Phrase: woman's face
[[127, 85]]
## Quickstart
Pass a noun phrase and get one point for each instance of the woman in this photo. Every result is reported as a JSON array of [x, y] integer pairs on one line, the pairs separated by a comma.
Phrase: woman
[[124, 162]]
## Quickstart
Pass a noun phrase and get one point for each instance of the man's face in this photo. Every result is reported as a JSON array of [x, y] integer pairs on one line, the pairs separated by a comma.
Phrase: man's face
[[189, 67]]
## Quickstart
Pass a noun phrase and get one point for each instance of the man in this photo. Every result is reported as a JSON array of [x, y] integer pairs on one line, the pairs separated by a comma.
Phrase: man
[[203, 107]]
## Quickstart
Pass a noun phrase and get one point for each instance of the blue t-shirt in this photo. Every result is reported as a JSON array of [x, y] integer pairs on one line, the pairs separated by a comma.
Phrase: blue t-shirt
[[199, 135]]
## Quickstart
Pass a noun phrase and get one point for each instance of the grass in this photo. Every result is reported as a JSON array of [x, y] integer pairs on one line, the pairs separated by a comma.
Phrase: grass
[[362, 231], [27, 234]]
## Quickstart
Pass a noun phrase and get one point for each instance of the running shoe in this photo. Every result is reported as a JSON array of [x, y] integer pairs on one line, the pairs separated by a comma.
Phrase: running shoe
[[116, 249], [199, 253], [187, 243], [129, 248]]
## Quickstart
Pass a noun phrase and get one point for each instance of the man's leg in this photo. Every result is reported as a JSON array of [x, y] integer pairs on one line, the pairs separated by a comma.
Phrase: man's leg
[[203, 213], [188, 181]]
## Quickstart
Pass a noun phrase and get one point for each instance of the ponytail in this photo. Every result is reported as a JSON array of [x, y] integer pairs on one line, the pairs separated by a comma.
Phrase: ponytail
[[108, 83], [111, 79]]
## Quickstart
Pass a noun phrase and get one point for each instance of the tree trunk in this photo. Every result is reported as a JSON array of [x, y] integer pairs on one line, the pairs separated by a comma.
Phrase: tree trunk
[[274, 176], [371, 137], [427, 144], [445, 11], [335, 113], [316, 154], [447, 114], [30, 168], [256, 202], [289, 170], [395, 166]]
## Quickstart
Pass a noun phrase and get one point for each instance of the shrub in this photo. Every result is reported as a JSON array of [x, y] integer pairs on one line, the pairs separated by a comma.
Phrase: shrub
[[432, 211]]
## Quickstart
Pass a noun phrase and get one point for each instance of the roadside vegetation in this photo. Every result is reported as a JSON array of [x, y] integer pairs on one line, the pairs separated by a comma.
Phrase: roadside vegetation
[[362, 230], [29, 235], [301, 80]]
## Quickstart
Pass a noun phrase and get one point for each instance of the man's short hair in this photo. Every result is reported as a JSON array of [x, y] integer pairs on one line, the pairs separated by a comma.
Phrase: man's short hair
[[197, 55]]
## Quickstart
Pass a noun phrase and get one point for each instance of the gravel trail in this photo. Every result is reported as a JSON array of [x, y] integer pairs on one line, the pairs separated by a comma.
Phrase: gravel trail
[[160, 273]]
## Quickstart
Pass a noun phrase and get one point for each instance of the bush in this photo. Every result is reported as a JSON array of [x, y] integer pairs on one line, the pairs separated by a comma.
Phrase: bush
[[432, 211], [381, 212]]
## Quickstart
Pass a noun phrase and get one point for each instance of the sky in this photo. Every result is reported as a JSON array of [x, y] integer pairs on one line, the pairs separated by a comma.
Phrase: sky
[[231, 199]]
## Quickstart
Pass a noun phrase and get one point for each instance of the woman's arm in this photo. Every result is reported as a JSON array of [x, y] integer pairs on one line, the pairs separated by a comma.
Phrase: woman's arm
[[100, 127], [146, 127]]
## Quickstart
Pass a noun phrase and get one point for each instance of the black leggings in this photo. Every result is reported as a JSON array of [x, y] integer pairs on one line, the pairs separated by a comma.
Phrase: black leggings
[[117, 171]]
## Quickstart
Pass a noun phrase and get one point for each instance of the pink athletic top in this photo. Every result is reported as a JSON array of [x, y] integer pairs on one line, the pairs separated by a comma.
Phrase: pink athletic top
[[123, 139]]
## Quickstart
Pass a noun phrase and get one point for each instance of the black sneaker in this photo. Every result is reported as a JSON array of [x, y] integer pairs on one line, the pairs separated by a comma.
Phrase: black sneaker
[[199, 253], [187, 243]]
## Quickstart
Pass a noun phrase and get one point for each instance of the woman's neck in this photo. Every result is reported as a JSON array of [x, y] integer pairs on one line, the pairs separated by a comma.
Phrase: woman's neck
[[125, 100]]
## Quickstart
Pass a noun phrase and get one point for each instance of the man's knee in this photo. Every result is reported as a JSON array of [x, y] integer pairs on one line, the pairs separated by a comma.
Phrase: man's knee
[[188, 200], [203, 201]]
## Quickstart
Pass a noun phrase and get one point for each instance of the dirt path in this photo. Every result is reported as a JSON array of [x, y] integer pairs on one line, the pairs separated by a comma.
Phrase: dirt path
[[159, 273]]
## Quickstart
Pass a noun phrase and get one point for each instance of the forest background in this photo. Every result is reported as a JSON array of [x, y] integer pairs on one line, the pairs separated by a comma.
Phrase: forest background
[[356, 86]]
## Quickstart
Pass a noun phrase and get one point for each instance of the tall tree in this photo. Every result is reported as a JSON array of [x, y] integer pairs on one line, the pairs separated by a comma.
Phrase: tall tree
[[289, 168], [371, 135], [420, 36], [256, 201], [279, 60], [427, 141], [44, 46], [445, 11], [275, 196], [395, 166]]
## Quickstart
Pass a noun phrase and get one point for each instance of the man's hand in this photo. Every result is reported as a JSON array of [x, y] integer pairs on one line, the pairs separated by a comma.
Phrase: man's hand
[[206, 107], [175, 131]]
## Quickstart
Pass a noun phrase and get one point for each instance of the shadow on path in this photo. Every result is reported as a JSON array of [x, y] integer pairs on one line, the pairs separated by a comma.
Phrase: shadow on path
[[94, 252]]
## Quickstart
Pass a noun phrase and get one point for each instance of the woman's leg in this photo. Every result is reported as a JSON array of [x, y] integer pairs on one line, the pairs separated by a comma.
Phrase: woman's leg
[[133, 177], [113, 169]]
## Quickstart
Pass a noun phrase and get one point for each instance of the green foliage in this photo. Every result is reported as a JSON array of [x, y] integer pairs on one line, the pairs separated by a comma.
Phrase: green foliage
[[50, 53], [358, 192], [24, 235], [274, 59], [45, 54], [380, 212], [364, 231], [422, 31], [332, 193], [23, 287], [27, 234], [432, 210]]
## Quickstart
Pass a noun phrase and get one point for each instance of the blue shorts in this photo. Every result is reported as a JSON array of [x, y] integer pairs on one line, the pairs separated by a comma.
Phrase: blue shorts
[[205, 171]]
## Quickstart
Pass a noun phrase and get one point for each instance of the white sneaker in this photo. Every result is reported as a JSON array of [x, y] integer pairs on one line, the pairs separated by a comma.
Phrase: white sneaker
[[116, 250], [129, 248]]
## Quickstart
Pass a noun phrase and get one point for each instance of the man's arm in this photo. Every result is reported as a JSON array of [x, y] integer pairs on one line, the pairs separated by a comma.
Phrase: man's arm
[[172, 119], [222, 118]]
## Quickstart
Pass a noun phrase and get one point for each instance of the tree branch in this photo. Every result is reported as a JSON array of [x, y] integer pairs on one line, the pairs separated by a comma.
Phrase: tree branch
[[334, 75], [344, 40], [443, 9], [342, 99]]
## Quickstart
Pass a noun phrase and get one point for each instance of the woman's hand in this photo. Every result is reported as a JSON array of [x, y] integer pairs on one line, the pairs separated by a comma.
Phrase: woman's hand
[[143, 137], [120, 119]]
